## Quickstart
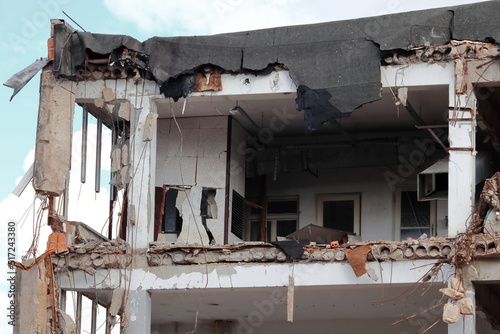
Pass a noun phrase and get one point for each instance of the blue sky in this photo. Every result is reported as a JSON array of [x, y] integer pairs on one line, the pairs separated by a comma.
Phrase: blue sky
[[25, 27]]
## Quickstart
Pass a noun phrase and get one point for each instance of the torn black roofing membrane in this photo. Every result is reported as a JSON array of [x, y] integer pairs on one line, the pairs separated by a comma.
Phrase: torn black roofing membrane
[[335, 65]]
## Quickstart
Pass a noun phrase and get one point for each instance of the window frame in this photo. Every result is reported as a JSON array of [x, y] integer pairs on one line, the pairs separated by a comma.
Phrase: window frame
[[332, 197], [397, 212], [274, 217]]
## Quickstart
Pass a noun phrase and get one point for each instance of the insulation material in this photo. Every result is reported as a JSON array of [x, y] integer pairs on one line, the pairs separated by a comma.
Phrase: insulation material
[[21, 78], [209, 80], [357, 259]]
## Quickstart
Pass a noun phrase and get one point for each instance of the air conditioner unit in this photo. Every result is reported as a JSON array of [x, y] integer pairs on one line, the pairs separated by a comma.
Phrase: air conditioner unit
[[432, 183]]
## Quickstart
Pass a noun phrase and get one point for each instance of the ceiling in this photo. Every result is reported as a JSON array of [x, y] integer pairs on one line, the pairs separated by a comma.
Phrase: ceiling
[[430, 102], [310, 303]]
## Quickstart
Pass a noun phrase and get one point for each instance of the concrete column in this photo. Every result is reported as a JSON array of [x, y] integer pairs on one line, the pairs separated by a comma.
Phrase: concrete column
[[32, 303], [54, 134], [467, 323], [140, 225], [138, 312], [462, 165]]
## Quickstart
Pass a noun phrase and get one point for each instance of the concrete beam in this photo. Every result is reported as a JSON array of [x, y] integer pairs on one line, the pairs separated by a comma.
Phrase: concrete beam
[[422, 74], [262, 275], [54, 134]]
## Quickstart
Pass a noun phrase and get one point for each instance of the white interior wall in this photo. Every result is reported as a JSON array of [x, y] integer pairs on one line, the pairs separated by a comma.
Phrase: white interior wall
[[192, 152], [377, 197]]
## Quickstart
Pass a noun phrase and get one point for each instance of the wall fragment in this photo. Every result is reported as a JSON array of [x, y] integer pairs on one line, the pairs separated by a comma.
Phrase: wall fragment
[[54, 134]]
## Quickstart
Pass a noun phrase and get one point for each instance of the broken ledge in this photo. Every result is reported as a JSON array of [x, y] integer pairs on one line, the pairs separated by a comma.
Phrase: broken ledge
[[161, 254], [96, 255]]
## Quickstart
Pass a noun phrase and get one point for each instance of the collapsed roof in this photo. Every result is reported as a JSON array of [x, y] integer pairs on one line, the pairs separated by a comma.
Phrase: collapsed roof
[[335, 65]]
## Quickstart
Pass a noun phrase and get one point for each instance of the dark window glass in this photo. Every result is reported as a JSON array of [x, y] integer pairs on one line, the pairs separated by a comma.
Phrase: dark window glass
[[339, 215], [282, 207], [285, 227]]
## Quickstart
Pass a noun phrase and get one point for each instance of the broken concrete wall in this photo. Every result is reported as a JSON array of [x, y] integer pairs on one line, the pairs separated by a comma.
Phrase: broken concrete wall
[[191, 152], [31, 294], [54, 134]]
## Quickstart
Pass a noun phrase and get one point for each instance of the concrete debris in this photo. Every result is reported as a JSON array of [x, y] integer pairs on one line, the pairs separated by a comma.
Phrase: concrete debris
[[456, 284], [108, 94], [149, 127], [451, 313], [99, 102], [99, 72], [117, 302], [66, 323], [160, 254], [452, 293], [442, 53], [466, 306]]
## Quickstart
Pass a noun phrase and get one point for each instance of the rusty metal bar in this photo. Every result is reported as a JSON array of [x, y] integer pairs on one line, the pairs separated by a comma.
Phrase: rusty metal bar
[[431, 126], [469, 149], [85, 123], [433, 134], [460, 109], [460, 119], [98, 156]]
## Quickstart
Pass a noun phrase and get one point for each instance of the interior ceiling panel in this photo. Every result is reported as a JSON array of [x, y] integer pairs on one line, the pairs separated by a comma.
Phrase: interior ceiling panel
[[273, 110], [311, 303]]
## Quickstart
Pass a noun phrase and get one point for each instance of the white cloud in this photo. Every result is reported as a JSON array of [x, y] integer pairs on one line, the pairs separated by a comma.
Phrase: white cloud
[[191, 17]]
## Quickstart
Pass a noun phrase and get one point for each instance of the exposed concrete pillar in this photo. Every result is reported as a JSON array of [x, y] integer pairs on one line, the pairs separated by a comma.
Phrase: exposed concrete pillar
[[32, 301], [462, 165], [138, 312], [140, 225], [54, 133]]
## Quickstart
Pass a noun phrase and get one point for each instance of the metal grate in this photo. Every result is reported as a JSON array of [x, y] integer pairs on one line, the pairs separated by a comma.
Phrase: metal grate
[[237, 214]]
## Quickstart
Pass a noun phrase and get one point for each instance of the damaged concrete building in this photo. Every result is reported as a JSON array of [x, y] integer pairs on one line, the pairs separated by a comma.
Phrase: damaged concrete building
[[329, 177]]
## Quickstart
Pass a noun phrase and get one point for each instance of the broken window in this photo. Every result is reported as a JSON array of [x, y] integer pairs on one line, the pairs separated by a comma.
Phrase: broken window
[[89, 313], [414, 218], [168, 206], [340, 212], [282, 219]]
